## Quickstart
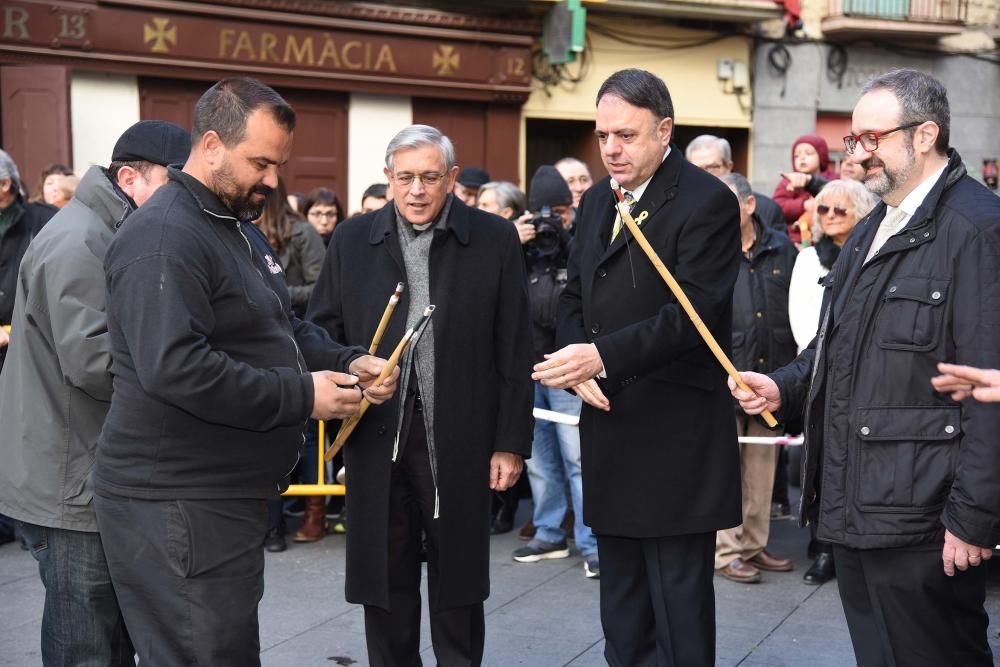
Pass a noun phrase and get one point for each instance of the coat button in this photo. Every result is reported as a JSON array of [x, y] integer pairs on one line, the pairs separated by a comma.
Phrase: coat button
[[381, 430], [602, 273], [857, 248], [913, 240], [926, 234], [596, 329], [935, 295], [865, 430], [892, 289], [760, 360], [759, 314], [949, 429]]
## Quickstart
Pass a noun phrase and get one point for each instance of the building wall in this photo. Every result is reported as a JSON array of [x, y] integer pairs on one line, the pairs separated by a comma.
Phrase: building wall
[[372, 122], [102, 106], [690, 74], [973, 92]]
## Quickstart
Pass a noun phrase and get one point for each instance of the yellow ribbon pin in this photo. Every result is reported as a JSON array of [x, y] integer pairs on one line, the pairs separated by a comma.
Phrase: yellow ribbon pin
[[642, 217]]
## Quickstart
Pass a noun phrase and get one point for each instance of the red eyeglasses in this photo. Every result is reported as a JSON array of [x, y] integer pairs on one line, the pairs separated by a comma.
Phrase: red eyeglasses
[[869, 140], [823, 209]]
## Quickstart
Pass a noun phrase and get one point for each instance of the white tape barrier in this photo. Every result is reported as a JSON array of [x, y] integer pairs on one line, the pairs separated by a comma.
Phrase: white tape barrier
[[557, 417], [783, 440], [574, 420]]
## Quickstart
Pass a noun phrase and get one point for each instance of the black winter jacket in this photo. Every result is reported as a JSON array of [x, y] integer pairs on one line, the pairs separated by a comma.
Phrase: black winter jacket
[[29, 218], [897, 461], [211, 387], [762, 335]]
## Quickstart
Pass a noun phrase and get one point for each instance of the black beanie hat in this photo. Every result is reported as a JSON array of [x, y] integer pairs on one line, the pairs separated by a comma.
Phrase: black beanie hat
[[153, 141], [548, 188]]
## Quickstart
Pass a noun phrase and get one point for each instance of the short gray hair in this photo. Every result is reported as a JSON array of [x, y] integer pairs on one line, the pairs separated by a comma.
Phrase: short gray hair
[[7, 168], [415, 136], [508, 194], [921, 97], [566, 161], [861, 198], [739, 184], [709, 141]]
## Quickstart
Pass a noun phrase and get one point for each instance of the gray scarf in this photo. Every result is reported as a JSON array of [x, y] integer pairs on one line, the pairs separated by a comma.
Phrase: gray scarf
[[416, 248]]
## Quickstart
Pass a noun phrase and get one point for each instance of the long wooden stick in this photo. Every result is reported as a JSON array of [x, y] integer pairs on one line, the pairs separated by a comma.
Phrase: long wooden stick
[[384, 322], [349, 424], [376, 340], [682, 298]]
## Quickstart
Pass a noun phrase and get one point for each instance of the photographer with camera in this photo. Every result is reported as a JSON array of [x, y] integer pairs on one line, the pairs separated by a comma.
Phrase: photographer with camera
[[555, 450]]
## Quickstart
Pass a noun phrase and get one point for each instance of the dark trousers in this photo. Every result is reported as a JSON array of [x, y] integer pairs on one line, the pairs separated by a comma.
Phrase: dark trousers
[[393, 635], [903, 611], [658, 600], [81, 623], [189, 575]]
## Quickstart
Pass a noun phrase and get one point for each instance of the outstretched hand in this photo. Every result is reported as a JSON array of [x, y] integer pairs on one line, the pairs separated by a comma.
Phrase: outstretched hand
[[964, 381]]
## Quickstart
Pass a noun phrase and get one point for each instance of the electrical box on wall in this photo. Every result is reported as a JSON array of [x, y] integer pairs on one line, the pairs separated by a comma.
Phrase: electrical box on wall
[[741, 76], [725, 69]]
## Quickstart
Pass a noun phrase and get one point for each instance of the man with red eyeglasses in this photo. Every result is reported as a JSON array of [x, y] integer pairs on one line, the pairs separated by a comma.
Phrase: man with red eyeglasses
[[900, 478]]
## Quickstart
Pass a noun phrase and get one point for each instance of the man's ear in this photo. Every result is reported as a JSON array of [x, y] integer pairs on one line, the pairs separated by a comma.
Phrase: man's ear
[[212, 147], [126, 179], [665, 130], [6, 184], [926, 136]]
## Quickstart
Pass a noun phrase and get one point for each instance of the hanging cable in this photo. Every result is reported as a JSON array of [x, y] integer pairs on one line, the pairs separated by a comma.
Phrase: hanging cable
[[779, 58]]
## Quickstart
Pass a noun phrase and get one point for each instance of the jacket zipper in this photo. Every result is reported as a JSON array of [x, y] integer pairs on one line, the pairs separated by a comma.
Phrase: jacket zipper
[[298, 352]]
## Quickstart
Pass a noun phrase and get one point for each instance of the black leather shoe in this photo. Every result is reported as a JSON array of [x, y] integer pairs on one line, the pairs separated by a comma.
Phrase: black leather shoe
[[275, 541], [821, 571], [500, 525]]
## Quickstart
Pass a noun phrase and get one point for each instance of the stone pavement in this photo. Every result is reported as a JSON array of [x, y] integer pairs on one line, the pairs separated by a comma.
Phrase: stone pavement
[[540, 615]]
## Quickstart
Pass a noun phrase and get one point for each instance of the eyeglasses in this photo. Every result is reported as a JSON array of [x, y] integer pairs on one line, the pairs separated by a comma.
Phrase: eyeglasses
[[714, 168], [428, 178], [823, 209], [329, 215], [869, 140]]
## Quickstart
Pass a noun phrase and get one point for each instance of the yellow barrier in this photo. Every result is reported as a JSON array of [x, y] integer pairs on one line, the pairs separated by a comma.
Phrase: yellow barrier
[[6, 328], [320, 488]]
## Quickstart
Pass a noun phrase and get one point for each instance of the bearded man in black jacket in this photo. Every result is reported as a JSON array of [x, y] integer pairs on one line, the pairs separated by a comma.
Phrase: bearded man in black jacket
[[211, 389], [910, 497]]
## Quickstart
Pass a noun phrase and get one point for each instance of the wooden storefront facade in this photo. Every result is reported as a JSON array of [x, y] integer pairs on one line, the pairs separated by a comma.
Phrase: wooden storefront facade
[[468, 75]]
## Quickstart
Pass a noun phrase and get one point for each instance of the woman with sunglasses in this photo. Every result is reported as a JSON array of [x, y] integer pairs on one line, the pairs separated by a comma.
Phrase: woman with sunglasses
[[839, 206]]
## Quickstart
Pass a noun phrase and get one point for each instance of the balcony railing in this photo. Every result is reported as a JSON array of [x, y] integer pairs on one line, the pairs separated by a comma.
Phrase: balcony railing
[[950, 11], [913, 17]]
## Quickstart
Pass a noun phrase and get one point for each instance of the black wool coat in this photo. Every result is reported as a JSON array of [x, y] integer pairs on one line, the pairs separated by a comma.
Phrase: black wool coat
[[664, 460], [483, 393]]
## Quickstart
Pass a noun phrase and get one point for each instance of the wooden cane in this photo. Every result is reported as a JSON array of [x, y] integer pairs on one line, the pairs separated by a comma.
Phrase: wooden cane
[[682, 298], [377, 339], [384, 322], [349, 424]]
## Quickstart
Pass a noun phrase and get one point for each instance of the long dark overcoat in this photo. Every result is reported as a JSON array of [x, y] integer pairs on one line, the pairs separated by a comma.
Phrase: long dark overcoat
[[482, 384], [664, 460]]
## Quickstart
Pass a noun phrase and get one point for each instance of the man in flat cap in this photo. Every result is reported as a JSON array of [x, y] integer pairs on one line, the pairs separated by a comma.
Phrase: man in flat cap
[[467, 185], [55, 390]]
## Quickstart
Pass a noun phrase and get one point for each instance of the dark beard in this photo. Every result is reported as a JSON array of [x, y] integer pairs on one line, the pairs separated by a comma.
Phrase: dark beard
[[236, 198], [889, 180]]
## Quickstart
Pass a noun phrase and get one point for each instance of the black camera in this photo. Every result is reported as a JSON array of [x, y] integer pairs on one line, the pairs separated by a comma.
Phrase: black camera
[[548, 239]]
